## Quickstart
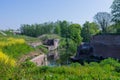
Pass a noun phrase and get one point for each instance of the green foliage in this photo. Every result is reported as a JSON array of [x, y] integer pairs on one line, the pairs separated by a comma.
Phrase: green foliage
[[117, 28], [49, 36], [62, 43], [43, 69], [112, 28], [28, 64], [36, 30], [17, 50], [57, 30], [71, 48], [74, 31], [88, 30], [43, 49], [105, 70], [64, 57], [65, 54], [27, 38], [109, 61], [66, 49], [6, 71], [64, 27], [71, 45], [75, 64], [115, 11]]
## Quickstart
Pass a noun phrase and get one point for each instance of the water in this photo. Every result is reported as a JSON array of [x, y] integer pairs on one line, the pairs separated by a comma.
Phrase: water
[[58, 58], [52, 58]]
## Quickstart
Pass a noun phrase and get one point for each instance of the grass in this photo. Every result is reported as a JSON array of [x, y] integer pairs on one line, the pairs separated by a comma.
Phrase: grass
[[14, 47], [43, 49], [10, 48], [107, 69]]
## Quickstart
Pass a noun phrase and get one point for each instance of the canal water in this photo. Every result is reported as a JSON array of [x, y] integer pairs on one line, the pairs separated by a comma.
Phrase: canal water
[[57, 58], [52, 58]]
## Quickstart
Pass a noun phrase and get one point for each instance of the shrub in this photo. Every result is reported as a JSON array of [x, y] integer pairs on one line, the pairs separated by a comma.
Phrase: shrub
[[43, 49], [28, 64]]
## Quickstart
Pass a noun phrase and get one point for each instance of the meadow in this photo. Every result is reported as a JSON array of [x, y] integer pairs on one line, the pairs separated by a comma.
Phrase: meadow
[[108, 69]]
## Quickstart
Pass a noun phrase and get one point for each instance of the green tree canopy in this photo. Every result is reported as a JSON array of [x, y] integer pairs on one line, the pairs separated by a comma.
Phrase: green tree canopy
[[74, 31], [115, 11], [64, 26], [88, 30]]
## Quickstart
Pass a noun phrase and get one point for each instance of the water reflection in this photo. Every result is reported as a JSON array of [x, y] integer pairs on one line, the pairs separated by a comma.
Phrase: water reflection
[[52, 57]]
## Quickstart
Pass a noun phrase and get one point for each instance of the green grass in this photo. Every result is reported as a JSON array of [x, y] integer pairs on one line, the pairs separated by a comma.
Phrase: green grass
[[49, 36], [43, 49], [27, 38], [17, 50], [108, 69]]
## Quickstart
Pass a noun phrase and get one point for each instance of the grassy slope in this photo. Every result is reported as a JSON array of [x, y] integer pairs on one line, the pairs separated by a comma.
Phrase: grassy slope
[[108, 69], [16, 50]]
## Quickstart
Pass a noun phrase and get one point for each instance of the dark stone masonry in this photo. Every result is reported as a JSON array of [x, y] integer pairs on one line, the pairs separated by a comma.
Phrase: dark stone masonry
[[99, 47]]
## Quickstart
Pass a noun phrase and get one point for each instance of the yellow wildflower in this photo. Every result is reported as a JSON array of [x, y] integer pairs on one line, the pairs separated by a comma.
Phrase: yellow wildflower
[[6, 60]]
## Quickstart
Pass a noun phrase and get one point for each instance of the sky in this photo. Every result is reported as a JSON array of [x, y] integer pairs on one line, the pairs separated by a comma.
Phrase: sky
[[13, 13]]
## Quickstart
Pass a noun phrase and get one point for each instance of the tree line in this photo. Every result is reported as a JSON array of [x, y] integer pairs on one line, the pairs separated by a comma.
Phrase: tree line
[[62, 28], [104, 22]]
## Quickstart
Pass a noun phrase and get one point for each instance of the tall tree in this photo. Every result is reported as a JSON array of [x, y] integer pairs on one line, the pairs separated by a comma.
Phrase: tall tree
[[57, 29], [74, 31], [64, 27], [103, 19], [115, 11], [88, 30]]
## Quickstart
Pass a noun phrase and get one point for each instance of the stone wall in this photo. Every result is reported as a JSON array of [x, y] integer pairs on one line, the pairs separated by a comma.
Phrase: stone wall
[[51, 44], [40, 60], [106, 46]]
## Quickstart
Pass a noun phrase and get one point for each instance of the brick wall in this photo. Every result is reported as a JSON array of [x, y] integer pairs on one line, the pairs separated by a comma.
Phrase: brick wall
[[106, 45]]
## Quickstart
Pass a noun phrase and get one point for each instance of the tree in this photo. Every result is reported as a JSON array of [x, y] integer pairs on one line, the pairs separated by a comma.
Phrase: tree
[[115, 11], [57, 29], [88, 30], [36, 30], [64, 27], [116, 14], [112, 28], [103, 19], [74, 31]]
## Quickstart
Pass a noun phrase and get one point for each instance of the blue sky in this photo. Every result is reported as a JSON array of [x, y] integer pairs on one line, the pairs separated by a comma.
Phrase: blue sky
[[13, 13]]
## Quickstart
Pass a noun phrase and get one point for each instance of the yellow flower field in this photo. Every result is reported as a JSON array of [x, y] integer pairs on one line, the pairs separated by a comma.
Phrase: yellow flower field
[[9, 41], [6, 60]]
